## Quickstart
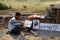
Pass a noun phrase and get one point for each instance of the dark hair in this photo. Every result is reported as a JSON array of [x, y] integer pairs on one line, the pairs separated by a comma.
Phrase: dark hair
[[17, 14]]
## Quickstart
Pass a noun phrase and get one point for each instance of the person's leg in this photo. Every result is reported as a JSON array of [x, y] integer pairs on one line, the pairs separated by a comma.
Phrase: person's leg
[[15, 31], [28, 29]]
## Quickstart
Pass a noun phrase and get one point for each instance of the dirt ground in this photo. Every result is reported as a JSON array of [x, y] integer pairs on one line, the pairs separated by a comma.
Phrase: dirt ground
[[23, 36], [4, 36]]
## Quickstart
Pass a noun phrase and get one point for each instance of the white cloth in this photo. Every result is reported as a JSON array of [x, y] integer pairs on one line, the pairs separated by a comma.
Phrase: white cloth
[[12, 24]]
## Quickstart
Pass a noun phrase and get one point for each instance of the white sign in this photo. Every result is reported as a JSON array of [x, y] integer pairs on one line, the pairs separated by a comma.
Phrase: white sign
[[48, 26], [27, 23], [36, 24], [42, 26]]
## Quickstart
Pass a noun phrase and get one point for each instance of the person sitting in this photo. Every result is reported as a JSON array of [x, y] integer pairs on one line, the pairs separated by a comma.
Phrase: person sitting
[[13, 26]]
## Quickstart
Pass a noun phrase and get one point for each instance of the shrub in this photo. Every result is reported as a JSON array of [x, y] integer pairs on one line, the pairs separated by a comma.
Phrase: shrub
[[21, 0], [24, 6], [1, 0], [10, 7], [4, 7]]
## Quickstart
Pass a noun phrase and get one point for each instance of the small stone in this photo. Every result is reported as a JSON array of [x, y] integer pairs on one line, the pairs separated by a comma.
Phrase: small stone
[[2, 39], [52, 37]]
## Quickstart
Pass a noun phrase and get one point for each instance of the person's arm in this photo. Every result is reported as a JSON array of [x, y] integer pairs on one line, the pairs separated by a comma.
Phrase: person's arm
[[17, 24]]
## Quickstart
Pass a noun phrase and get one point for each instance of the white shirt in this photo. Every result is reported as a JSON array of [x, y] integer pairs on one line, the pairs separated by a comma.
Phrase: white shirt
[[12, 24]]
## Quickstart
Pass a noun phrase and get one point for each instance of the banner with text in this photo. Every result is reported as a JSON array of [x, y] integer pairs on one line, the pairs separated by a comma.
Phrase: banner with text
[[49, 26]]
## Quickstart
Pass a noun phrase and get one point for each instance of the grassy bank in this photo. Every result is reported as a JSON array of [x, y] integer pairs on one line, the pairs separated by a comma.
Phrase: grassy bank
[[30, 6]]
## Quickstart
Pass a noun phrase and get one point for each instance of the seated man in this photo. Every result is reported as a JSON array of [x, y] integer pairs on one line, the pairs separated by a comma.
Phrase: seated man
[[13, 26]]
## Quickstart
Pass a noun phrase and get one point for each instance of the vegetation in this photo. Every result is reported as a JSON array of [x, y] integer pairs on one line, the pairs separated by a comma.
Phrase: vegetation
[[24, 6], [4, 6], [21, 0], [48, 0], [27, 5]]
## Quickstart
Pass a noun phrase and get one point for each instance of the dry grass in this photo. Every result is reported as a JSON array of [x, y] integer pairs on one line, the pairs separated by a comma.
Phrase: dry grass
[[33, 6]]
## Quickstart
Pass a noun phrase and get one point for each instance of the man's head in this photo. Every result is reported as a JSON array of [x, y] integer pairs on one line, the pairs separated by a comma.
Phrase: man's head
[[17, 15]]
